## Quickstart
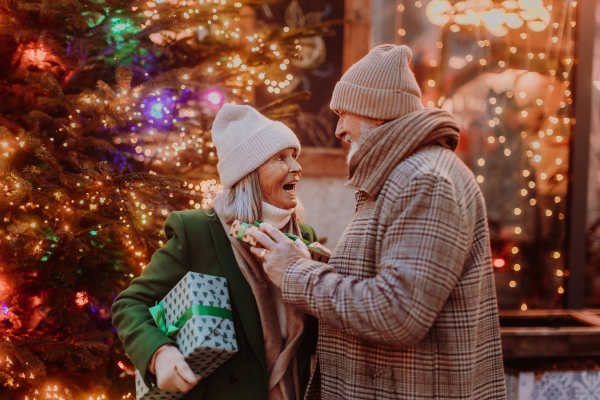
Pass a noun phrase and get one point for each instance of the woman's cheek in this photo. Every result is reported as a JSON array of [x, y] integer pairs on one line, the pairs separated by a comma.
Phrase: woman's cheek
[[270, 179]]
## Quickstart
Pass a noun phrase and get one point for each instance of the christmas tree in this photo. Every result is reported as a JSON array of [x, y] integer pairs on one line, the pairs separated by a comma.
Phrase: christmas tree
[[105, 128]]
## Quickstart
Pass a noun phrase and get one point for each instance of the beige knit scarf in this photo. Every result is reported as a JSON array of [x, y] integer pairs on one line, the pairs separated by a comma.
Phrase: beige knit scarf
[[282, 366], [387, 145]]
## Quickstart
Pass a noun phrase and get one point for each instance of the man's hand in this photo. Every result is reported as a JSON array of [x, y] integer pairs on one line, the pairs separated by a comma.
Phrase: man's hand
[[319, 246], [280, 252], [172, 371]]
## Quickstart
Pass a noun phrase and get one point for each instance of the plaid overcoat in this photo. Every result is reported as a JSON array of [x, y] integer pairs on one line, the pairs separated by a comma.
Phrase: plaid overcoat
[[407, 303]]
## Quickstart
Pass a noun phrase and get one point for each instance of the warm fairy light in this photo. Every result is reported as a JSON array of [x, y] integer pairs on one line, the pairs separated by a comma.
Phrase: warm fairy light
[[556, 254], [523, 307], [36, 55], [561, 290], [499, 263], [517, 211], [517, 267], [512, 284], [497, 21], [81, 298], [514, 250], [559, 272], [214, 97], [518, 230]]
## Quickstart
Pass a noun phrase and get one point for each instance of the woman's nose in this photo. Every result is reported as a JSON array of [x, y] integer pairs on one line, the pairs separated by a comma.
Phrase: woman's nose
[[295, 167]]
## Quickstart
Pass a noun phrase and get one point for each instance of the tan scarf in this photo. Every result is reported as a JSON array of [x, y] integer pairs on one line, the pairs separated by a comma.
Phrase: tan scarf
[[282, 365], [387, 145]]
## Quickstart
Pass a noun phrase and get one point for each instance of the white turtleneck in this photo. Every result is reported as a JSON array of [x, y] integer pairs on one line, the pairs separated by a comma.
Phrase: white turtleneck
[[279, 218]]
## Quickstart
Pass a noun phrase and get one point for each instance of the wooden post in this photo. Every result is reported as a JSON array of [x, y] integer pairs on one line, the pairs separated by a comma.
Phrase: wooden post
[[580, 151], [357, 31]]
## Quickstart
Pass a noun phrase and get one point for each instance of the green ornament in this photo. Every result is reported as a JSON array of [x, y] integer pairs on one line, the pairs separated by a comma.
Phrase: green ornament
[[119, 25]]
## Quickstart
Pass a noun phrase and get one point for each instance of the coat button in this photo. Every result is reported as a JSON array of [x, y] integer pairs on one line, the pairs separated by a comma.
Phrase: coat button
[[232, 378]]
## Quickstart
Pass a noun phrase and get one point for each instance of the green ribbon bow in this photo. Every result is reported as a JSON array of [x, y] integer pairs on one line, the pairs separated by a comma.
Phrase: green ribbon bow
[[158, 313], [293, 238]]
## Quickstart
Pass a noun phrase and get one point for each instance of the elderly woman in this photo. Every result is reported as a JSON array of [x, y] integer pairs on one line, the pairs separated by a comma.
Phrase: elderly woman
[[259, 171]]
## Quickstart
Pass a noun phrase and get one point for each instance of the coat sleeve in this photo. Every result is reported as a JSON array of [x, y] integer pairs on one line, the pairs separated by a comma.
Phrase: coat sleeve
[[135, 326], [421, 259]]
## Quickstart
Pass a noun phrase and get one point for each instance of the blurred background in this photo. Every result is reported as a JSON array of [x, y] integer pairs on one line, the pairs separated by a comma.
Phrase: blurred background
[[105, 129]]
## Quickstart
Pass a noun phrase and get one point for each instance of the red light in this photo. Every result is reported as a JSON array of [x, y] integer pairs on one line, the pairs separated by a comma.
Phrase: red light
[[121, 365], [499, 263]]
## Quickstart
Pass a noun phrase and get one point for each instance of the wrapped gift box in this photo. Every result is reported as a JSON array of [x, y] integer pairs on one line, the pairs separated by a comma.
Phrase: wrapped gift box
[[240, 230], [199, 306]]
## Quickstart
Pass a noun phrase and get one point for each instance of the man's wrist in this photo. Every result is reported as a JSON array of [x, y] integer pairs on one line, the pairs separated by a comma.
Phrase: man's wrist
[[295, 281]]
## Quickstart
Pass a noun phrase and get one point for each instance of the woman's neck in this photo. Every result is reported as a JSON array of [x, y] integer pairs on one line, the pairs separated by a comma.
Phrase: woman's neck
[[278, 217]]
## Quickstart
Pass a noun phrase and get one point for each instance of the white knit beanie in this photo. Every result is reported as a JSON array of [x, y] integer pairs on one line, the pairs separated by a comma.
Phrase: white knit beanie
[[245, 139], [379, 86]]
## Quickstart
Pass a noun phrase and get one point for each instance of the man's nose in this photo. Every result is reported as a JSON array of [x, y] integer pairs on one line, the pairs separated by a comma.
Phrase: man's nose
[[339, 129]]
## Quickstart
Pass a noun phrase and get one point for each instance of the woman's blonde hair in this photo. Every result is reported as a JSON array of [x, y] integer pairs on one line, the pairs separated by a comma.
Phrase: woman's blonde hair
[[243, 202]]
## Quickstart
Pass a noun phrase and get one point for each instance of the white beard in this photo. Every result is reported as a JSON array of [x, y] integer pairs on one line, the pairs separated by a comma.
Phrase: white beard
[[354, 146], [365, 130]]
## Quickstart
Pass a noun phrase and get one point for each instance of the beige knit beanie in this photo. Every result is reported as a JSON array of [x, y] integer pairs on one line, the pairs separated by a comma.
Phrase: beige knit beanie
[[379, 86], [245, 139]]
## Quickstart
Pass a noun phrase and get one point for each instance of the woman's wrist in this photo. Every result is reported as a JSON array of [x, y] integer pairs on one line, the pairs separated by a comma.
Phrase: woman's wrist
[[152, 365]]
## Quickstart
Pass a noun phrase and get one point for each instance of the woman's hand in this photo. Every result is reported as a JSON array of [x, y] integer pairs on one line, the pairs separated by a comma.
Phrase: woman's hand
[[171, 370], [319, 246]]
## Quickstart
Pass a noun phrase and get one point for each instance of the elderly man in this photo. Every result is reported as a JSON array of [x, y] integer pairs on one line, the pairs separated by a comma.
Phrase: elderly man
[[407, 304]]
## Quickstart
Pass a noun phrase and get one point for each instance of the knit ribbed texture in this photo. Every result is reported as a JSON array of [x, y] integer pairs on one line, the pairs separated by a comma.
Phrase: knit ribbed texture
[[278, 217], [245, 139], [387, 145], [379, 86]]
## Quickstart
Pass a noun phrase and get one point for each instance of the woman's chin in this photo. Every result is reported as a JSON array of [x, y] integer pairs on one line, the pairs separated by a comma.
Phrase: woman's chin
[[288, 200]]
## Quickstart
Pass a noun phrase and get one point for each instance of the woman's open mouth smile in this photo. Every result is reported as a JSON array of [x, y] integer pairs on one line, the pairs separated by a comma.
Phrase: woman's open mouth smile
[[290, 187]]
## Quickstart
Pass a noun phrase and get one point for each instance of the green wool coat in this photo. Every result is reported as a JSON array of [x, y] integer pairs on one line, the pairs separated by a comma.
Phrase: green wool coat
[[197, 242]]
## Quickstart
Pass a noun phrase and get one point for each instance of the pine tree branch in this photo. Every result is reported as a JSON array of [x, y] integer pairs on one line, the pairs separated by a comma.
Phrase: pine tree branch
[[142, 243]]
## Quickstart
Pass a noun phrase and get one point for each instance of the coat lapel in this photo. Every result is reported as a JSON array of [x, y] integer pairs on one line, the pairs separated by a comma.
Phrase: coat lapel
[[239, 289]]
